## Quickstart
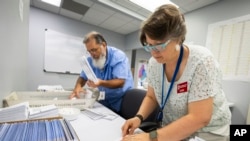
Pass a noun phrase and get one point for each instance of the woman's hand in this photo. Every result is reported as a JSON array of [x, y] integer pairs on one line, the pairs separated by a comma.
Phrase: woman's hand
[[130, 125], [136, 137]]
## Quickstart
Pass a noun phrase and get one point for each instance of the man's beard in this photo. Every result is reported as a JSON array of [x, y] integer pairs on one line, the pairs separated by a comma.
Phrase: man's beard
[[100, 62]]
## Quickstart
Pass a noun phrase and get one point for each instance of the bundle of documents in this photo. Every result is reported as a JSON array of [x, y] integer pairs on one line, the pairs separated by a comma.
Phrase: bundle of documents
[[38, 130], [88, 70], [91, 114], [95, 115], [43, 112], [15, 112], [22, 111]]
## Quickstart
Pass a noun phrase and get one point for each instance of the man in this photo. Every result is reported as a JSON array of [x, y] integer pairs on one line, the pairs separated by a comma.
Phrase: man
[[110, 66]]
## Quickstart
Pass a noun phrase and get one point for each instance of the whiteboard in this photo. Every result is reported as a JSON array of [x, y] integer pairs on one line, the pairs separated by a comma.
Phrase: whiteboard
[[63, 53]]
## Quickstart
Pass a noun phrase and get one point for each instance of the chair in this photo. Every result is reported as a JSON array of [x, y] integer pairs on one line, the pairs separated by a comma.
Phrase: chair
[[131, 104]]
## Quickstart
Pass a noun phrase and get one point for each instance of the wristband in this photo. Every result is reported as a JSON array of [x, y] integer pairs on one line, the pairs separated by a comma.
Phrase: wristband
[[140, 117]]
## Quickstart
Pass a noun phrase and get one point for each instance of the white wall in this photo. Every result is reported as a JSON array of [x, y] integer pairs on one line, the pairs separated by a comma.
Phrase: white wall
[[41, 20], [14, 46]]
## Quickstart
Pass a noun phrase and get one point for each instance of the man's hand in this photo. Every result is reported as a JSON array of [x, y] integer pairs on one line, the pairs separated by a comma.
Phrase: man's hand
[[93, 84], [76, 93]]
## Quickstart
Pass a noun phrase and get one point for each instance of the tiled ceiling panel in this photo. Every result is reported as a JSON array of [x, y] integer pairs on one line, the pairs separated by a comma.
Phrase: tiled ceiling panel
[[70, 14], [88, 3], [131, 6], [119, 16], [95, 17], [74, 7], [191, 5], [44, 6]]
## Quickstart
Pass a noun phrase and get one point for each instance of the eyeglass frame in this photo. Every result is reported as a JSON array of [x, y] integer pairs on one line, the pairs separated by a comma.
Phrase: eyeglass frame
[[157, 48], [94, 50]]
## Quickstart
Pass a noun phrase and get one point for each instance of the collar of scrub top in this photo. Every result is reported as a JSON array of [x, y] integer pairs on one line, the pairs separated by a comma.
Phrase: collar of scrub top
[[163, 102]]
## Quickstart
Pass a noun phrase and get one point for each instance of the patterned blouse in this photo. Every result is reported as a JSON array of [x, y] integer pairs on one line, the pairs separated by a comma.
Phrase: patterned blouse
[[201, 79]]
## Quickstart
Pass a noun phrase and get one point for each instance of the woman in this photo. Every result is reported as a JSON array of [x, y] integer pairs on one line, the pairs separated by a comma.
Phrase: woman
[[184, 80]]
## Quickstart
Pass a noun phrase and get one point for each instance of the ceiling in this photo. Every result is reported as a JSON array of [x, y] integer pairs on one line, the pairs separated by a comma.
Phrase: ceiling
[[119, 16]]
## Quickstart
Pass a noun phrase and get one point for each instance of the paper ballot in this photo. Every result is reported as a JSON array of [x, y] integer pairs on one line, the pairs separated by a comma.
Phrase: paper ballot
[[88, 70]]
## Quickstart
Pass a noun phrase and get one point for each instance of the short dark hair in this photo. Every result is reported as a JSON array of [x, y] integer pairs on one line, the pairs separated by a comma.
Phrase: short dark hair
[[167, 22]]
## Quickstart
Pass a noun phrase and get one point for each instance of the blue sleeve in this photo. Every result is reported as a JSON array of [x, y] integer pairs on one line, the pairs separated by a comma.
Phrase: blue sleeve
[[120, 66], [83, 75]]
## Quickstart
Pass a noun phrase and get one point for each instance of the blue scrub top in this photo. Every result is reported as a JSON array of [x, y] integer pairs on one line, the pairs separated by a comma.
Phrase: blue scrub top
[[116, 66]]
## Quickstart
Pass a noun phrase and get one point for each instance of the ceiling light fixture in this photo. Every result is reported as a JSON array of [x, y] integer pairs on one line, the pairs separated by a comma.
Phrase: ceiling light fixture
[[151, 5], [53, 2]]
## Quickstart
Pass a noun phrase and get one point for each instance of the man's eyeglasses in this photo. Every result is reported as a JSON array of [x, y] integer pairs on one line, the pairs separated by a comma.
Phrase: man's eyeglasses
[[158, 47], [93, 50]]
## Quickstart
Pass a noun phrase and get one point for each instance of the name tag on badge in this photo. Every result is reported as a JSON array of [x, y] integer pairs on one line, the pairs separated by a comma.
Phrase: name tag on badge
[[102, 95], [182, 87]]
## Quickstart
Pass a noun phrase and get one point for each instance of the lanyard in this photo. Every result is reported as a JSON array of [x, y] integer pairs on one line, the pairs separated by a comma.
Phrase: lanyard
[[163, 102]]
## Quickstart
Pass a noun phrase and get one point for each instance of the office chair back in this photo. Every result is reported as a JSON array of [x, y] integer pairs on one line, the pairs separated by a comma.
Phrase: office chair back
[[131, 103]]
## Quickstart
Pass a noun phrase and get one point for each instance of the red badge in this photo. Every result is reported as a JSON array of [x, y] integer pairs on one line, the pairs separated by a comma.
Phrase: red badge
[[182, 87]]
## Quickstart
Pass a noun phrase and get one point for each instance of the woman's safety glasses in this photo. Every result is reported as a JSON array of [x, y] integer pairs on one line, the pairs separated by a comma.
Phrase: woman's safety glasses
[[158, 47]]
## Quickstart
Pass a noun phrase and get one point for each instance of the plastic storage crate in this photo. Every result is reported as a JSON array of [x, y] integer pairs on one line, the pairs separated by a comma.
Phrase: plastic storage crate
[[60, 99]]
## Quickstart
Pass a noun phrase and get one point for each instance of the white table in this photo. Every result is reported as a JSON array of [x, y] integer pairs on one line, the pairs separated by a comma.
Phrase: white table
[[98, 130]]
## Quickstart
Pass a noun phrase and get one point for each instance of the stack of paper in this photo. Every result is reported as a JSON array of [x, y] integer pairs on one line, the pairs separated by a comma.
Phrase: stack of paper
[[43, 112], [15, 112], [23, 112], [91, 114], [97, 115], [88, 70]]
